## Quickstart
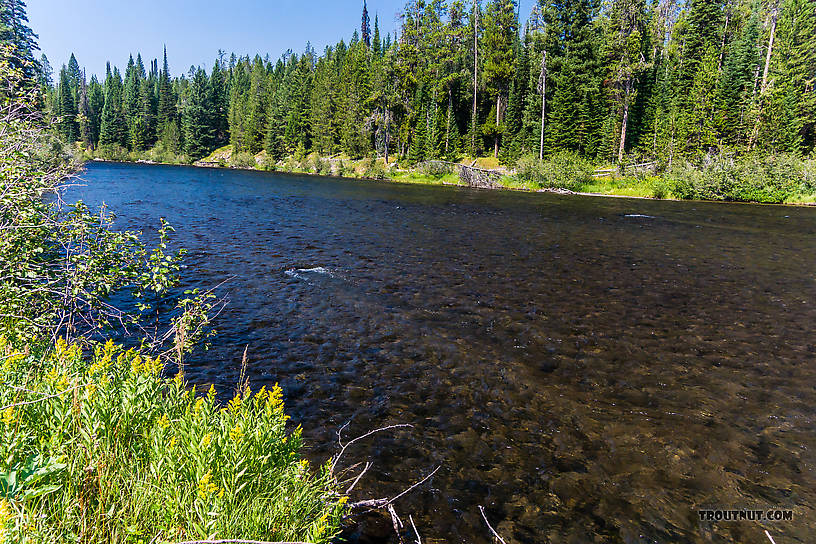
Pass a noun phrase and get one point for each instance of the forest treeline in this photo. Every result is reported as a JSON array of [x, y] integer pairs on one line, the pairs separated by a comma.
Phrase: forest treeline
[[612, 81]]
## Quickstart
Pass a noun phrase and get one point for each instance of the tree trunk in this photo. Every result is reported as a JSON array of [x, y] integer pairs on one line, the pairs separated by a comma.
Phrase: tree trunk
[[722, 45], [498, 118], [763, 88], [475, 72], [448, 125], [543, 79], [387, 134], [625, 121]]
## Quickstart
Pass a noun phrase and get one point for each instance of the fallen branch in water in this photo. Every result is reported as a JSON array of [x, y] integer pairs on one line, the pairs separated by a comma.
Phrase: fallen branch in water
[[343, 447], [419, 538], [492, 530], [384, 503]]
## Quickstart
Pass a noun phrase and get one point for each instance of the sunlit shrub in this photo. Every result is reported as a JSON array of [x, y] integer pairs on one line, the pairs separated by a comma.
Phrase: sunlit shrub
[[563, 170], [243, 160], [773, 178]]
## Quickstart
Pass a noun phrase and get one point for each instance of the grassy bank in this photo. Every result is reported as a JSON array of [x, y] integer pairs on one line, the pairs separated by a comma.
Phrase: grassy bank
[[102, 444]]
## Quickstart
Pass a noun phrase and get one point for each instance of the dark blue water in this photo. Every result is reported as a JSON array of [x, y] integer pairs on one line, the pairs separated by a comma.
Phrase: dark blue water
[[588, 369]]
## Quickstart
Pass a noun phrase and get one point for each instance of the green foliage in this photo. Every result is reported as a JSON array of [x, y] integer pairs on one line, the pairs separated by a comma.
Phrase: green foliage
[[564, 170], [242, 160], [752, 179]]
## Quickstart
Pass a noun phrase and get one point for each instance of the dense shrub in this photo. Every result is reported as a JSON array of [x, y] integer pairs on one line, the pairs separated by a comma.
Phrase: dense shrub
[[564, 170], [96, 446], [373, 169], [773, 178], [243, 160], [435, 169]]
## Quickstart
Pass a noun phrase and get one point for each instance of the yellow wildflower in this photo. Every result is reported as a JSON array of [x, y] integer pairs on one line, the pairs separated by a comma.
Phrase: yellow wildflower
[[173, 442], [164, 422], [211, 393], [6, 515], [274, 399], [236, 433], [199, 404], [8, 416], [235, 403], [206, 487], [206, 440], [342, 501], [262, 394], [91, 391]]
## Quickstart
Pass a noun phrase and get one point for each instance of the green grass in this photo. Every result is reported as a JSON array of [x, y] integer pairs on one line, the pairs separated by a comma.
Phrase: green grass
[[628, 186], [107, 450]]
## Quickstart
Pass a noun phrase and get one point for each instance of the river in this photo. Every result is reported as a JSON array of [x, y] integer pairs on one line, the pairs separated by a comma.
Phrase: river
[[588, 369]]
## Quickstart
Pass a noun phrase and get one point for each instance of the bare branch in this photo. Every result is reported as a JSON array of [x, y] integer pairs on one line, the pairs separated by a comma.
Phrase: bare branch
[[343, 449], [481, 509], [18, 404]]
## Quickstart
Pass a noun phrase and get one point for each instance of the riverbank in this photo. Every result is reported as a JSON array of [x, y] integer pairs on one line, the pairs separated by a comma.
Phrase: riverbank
[[768, 180]]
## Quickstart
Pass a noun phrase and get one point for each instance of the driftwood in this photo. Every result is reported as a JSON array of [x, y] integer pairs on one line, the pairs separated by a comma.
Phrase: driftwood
[[479, 177], [470, 176]]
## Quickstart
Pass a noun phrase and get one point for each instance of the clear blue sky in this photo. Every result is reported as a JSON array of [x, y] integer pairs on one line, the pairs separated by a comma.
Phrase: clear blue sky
[[194, 30]]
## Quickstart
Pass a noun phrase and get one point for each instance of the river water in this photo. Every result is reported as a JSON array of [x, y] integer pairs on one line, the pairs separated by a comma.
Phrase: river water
[[588, 369]]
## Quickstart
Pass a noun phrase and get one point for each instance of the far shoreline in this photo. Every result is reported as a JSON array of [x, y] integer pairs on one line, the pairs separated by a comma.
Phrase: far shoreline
[[417, 181]]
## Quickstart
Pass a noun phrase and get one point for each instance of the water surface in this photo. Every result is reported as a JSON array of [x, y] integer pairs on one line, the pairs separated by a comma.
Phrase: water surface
[[588, 369]]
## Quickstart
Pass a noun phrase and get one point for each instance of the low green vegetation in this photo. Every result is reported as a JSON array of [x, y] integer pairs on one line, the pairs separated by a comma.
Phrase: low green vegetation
[[779, 178], [103, 444]]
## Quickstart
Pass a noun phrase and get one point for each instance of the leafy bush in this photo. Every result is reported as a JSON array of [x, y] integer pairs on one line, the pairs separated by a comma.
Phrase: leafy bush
[[243, 160], [344, 170], [774, 178], [564, 170], [435, 169], [112, 153], [373, 169]]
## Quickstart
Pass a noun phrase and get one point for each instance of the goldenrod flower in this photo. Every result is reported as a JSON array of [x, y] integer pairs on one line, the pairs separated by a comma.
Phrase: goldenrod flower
[[6, 515], [211, 393], [164, 422], [236, 433], [8, 416], [206, 487], [342, 501], [206, 440]]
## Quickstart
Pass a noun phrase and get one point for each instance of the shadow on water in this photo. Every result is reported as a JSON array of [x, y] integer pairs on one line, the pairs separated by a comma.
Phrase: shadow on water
[[590, 370]]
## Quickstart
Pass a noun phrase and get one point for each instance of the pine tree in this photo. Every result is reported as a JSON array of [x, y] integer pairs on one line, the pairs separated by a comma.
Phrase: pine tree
[[167, 101], [377, 45], [366, 26], [113, 127], [67, 126], [195, 116], [499, 38], [14, 30]]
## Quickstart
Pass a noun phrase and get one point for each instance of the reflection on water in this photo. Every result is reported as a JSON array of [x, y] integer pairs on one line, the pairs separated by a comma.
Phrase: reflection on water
[[590, 370]]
